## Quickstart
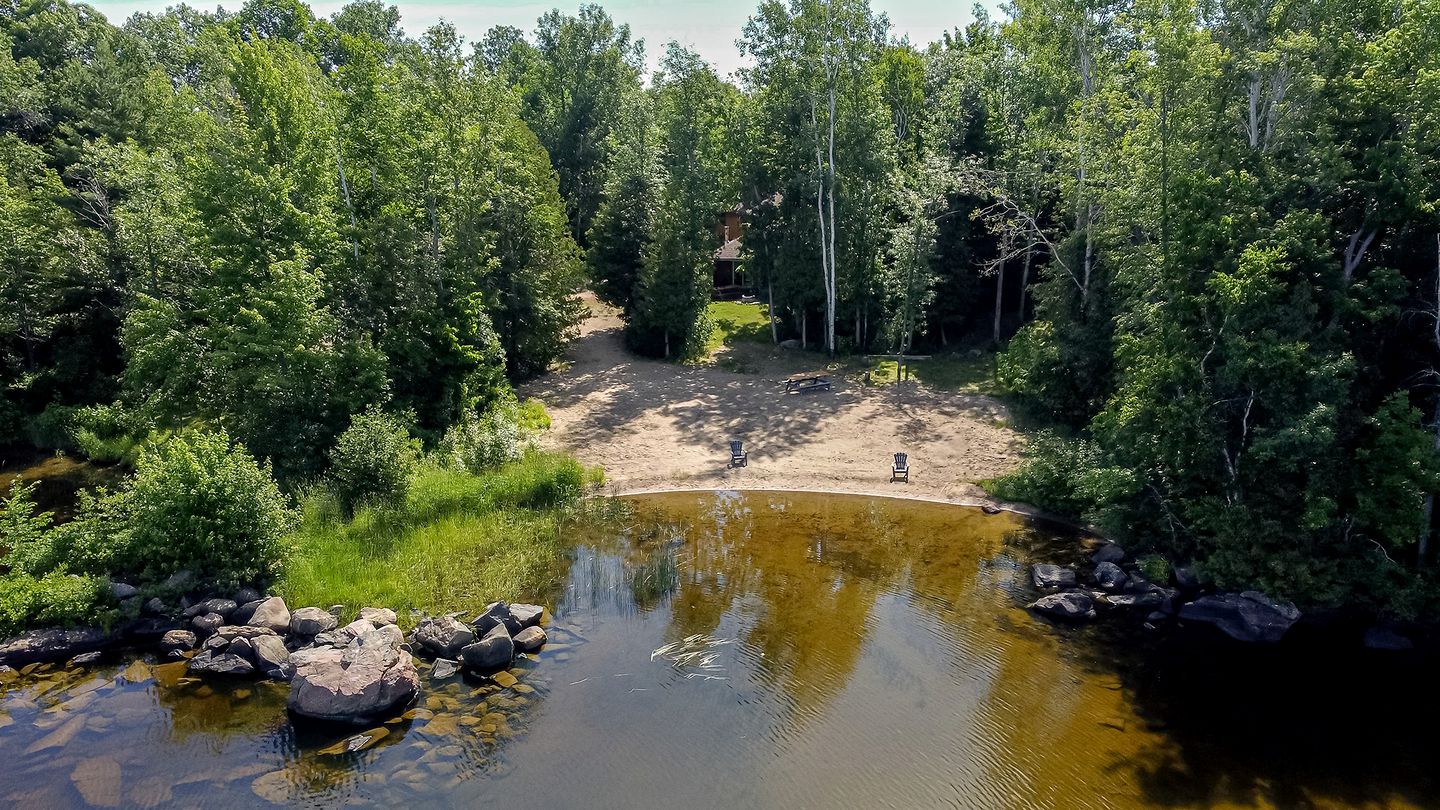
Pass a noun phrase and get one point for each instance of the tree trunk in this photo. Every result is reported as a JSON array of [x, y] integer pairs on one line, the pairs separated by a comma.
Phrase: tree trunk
[[349, 206], [999, 297], [770, 306], [1024, 284]]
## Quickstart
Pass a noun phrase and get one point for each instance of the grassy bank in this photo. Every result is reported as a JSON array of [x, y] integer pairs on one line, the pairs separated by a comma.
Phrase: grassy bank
[[459, 540]]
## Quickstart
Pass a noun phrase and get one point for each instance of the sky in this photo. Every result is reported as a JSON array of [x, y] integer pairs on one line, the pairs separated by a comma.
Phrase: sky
[[709, 27]]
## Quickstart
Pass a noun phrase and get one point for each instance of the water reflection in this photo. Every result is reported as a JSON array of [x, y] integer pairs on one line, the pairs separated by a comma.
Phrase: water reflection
[[772, 650]]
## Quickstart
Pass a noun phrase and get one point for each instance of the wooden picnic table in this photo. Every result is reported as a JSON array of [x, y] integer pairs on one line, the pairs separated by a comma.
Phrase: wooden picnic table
[[807, 382]]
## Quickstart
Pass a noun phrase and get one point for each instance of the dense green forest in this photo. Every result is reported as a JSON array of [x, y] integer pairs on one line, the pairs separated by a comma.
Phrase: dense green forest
[[1203, 235]]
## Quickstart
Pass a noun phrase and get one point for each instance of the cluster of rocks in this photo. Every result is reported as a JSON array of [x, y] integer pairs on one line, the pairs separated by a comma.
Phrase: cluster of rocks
[[1111, 584]]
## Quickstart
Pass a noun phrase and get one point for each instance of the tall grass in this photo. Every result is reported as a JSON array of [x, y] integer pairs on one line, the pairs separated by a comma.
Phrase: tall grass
[[458, 541]]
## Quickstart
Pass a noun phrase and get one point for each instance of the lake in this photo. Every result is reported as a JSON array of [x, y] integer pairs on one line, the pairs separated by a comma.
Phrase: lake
[[777, 650]]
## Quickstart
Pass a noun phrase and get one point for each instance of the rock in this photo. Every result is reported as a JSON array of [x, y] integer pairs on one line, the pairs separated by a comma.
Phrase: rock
[[494, 650], [332, 638], [1139, 584], [177, 641], [527, 615], [355, 630], [530, 639], [443, 669], [1149, 600], [123, 591], [149, 629], [230, 632], [86, 659], [443, 636], [311, 621], [53, 644], [179, 581], [154, 607], [271, 613], [246, 595], [336, 610], [1380, 637], [1156, 617], [273, 787], [246, 610], [792, 343], [241, 647], [1185, 577], [98, 781], [371, 676], [272, 658], [357, 743], [1067, 606], [1045, 575], [1109, 576], [493, 614], [207, 623], [1248, 616], [224, 607], [378, 616], [209, 662], [1108, 553]]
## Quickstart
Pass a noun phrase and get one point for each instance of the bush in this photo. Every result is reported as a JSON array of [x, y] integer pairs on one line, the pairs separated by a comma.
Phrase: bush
[[107, 434], [499, 436], [50, 430], [373, 460], [1154, 568], [56, 598], [195, 503], [24, 533]]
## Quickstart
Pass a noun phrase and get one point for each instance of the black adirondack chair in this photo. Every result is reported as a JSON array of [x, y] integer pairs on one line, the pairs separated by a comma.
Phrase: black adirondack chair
[[901, 468], [739, 456]]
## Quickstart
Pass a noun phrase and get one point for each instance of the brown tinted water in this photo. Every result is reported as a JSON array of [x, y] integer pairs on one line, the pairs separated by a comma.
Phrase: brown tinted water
[[776, 650]]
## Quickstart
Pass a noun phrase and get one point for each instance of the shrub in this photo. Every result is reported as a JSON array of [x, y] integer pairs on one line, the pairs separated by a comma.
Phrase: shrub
[[197, 503], [498, 436], [24, 533], [107, 433], [50, 430], [1154, 568], [56, 598], [373, 460]]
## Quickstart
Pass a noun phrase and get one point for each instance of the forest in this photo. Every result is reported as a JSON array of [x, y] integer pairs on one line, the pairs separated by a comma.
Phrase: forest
[[1202, 236]]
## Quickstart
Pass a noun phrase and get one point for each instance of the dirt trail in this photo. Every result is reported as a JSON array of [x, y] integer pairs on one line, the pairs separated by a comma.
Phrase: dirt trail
[[654, 425]]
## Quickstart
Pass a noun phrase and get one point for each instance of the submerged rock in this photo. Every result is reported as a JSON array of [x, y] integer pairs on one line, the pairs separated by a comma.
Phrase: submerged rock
[[444, 669], [85, 659], [443, 636], [1109, 576], [97, 780], [493, 651], [1045, 575], [1248, 616], [1069, 606], [530, 639], [371, 676], [271, 613], [209, 662], [357, 743]]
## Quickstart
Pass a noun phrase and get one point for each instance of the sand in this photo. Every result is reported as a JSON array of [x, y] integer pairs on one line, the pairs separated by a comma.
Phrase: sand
[[658, 426]]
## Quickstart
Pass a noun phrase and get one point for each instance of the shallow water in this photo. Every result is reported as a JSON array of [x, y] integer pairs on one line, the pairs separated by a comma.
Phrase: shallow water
[[776, 650]]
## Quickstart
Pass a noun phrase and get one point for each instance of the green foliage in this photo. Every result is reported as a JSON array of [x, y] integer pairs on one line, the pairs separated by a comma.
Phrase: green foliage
[[55, 598], [23, 530], [108, 434], [500, 435], [1154, 568], [373, 460]]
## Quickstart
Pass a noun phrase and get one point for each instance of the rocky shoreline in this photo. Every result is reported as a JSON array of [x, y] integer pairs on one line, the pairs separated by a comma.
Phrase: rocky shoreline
[[353, 673], [1111, 584]]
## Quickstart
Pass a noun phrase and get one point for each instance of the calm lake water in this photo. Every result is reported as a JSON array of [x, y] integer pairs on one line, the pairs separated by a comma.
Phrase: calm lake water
[[776, 650]]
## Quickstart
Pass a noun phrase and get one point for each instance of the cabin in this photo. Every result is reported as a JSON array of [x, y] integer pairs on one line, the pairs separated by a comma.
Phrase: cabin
[[730, 282]]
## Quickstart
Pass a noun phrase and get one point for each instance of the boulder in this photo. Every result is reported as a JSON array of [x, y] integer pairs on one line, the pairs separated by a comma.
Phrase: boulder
[[360, 682], [443, 636], [1185, 577], [179, 581], [272, 658], [230, 632], [530, 639], [246, 595], [123, 591], [271, 613], [1109, 576], [154, 606], [1150, 600], [1045, 575], [378, 616], [1109, 552], [177, 641], [493, 614], [493, 651], [246, 610], [443, 669], [209, 662], [355, 630], [85, 659], [792, 343], [207, 623], [53, 644], [1248, 616], [148, 629], [1068, 606], [1380, 637], [311, 621], [241, 647], [224, 607], [527, 615]]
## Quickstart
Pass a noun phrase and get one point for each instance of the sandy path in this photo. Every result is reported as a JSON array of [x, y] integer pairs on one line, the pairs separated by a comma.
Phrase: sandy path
[[655, 426]]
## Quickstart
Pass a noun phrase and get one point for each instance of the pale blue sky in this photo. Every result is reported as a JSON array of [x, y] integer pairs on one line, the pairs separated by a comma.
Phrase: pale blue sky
[[709, 26]]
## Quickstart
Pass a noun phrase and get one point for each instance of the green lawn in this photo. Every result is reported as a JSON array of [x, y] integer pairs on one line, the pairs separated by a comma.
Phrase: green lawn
[[947, 372], [737, 323], [459, 541]]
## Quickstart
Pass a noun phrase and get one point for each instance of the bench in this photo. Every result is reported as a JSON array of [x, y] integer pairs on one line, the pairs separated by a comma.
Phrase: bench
[[901, 468], [807, 382]]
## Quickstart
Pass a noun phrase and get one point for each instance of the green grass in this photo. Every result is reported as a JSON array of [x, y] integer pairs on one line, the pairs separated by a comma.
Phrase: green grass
[[460, 540], [947, 372], [737, 323]]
